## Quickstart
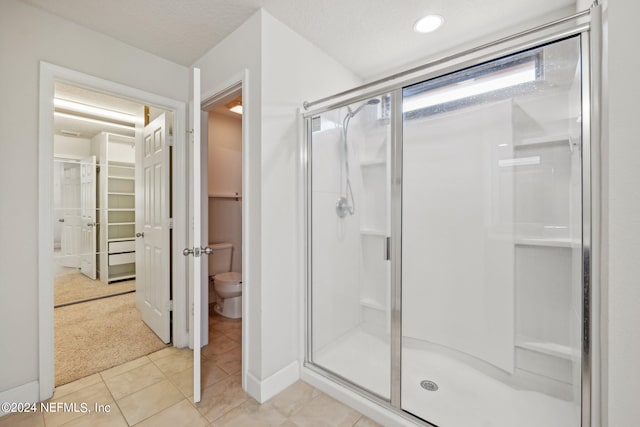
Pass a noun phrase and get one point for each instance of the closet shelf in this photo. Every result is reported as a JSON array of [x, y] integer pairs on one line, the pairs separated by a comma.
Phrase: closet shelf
[[124, 178], [121, 223], [112, 193], [122, 239], [121, 210]]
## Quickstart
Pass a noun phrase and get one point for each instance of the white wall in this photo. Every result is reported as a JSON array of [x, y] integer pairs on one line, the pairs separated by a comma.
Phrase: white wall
[[225, 177], [224, 65], [293, 70], [622, 211], [28, 36], [284, 70]]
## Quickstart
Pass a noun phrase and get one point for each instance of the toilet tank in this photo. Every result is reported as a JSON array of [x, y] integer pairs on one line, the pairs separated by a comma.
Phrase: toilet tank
[[220, 258]]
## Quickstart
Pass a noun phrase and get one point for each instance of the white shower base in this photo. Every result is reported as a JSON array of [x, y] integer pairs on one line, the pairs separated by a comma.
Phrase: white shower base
[[466, 396], [362, 358]]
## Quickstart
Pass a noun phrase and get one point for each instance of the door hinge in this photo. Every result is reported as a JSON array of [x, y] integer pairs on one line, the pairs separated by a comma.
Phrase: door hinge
[[170, 305], [170, 140], [170, 223]]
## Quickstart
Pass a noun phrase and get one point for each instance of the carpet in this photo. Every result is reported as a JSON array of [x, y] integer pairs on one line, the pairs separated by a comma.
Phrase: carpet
[[71, 286], [96, 335]]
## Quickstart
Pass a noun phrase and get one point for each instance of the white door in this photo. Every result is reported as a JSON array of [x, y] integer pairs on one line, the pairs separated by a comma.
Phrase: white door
[[152, 228], [88, 217], [196, 250], [70, 232]]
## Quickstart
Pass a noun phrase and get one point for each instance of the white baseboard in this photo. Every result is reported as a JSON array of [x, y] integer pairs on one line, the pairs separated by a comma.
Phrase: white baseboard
[[359, 403], [29, 392], [263, 390]]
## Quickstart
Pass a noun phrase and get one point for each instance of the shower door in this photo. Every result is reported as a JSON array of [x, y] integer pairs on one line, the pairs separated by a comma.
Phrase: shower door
[[491, 242], [348, 209]]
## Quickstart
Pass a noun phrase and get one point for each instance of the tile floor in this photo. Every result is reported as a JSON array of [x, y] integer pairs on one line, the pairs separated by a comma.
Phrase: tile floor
[[156, 390]]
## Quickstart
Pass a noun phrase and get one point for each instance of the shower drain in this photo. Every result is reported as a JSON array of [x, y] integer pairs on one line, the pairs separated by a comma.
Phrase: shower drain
[[429, 385]]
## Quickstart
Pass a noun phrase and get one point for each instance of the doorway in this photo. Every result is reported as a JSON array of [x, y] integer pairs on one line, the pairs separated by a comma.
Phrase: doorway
[[102, 281], [108, 220], [222, 162]]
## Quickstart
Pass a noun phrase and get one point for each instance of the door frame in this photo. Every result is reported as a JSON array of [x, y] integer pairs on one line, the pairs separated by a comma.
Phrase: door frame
[[49, 75], [238, 82]]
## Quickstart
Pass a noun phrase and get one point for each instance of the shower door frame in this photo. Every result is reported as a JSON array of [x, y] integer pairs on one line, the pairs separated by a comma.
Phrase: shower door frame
[[589, 37]]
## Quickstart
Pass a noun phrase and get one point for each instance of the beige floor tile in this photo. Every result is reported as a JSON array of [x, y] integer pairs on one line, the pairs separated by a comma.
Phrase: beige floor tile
[[23, 419], [210, 374], [182, 414], [366, 422], [219, 345], [251, 413], [288, 423], [120, 369], [71, 387], [176, 362], [230, 366], [113, 418], [222, 326], [149, 401], [325, 411], [233, 354], [183, 381], [163, 353], [294, 397], [234, 335], [91, 395], [221, 398], [134, 380]]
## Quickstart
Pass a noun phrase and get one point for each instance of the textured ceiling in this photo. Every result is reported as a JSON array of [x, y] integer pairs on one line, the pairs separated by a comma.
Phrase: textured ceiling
[[369, 37]]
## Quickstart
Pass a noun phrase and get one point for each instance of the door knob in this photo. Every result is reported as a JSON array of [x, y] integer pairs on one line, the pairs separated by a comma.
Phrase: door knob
[[139, 234], [187, 251], [61, 220], [207, 250]]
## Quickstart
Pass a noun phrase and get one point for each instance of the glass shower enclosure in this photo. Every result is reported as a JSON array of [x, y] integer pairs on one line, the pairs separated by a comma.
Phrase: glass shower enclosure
[[446, 232]]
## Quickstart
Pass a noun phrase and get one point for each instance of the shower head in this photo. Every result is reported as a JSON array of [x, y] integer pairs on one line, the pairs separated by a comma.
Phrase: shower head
[[372, 101]]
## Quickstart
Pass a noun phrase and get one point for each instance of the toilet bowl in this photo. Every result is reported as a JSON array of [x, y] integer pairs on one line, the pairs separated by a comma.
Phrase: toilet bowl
[[228, 289]]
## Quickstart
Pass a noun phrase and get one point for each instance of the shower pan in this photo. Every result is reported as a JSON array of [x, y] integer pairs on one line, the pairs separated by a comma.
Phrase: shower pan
[[449, 237]]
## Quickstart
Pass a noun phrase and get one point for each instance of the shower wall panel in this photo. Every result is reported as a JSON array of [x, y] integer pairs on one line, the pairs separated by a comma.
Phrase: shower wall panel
[[458, 253]]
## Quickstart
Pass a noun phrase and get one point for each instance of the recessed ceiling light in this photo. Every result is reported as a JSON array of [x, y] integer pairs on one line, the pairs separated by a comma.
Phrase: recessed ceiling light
[[428, 24]]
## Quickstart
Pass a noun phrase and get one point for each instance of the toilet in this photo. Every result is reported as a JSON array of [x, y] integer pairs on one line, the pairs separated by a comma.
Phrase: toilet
[[227, 284]]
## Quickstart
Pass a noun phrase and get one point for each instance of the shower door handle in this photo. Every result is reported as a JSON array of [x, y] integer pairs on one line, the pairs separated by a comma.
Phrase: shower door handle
[[387, 248]]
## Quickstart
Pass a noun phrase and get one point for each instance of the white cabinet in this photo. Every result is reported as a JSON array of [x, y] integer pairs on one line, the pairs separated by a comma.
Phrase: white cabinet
[[116, 197]]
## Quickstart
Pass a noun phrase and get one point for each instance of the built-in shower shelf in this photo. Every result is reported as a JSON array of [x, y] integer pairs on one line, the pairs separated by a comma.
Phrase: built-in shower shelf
[[548, 139], [554, 243], [549, 348], [374, 162], [370, 303], [372, 232]]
